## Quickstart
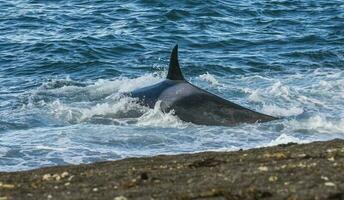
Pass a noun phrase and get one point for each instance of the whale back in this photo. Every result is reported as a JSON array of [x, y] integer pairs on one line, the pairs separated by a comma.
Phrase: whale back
[[193, 104]]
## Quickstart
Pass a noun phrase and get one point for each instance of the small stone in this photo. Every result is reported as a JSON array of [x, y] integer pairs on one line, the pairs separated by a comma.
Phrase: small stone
[[312, 165], [95, 189], [331, 150], [57, 177], [120, 198], [33, 185], [46, 177], [324, 178], [263, 168], [144, 176], [71, 177], [302, 165], [130, 183], [273, 178], [64, 174], [6, 186], [56, 187], [67, 184], [330, 184], [49, 196], [331, 159], [277, 155], [302, 155], [156, 181]]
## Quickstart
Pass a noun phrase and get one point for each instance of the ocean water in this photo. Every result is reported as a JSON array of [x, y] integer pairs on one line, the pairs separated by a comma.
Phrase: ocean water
[[64, 66]]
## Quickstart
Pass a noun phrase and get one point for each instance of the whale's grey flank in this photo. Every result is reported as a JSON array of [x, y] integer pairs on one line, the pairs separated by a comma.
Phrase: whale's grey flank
[[192, 104]]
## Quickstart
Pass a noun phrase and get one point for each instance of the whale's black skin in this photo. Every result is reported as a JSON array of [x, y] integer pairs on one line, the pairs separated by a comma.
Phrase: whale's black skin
[[192, 104]]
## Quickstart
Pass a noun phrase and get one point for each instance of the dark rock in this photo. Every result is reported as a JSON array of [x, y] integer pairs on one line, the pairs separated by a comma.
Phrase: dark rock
[[144, 176], [209, 162]]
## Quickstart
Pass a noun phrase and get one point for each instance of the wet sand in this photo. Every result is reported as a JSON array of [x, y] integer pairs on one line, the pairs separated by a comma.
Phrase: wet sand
[[291, 171]]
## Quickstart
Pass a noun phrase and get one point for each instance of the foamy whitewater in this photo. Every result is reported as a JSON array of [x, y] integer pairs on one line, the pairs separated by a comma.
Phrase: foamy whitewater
[[88, 122], [65, 67]]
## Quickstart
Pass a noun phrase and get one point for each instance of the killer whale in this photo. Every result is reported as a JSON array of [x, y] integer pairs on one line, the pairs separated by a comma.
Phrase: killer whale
[[193, 104]]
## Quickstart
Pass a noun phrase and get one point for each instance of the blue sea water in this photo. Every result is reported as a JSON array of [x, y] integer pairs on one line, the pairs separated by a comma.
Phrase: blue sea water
[[64, 66]]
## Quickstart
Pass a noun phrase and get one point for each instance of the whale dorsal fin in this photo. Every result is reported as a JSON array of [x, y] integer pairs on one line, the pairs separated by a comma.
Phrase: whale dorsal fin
[[174, 72]]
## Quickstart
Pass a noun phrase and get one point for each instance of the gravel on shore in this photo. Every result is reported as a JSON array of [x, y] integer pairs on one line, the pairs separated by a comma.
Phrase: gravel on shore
[[290, 171]]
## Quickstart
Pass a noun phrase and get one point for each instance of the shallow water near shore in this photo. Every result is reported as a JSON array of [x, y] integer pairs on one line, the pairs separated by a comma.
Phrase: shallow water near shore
[[65, 67]]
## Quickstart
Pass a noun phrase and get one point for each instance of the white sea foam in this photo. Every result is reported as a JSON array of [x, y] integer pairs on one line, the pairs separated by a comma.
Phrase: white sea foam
[[114, 106], [254, 96], [102, 87], [319, 124], [277, 90], [102, 98], [210, 79], [275, 110], [284, 139], [156, 118], [3, 151], [76, 113]]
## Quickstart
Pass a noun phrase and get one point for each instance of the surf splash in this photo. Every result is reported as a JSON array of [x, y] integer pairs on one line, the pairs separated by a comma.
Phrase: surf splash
[[75, 122]]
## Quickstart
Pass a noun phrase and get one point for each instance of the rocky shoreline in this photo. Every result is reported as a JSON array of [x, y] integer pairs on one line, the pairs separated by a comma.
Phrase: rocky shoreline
[[291, 171]]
